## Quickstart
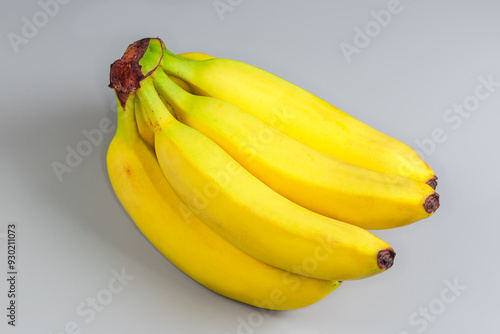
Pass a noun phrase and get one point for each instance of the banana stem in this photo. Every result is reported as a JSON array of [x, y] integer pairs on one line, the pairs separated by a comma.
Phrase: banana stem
[[156, 111], [127, 127], [170, 91], [175, 65], [151, 58]]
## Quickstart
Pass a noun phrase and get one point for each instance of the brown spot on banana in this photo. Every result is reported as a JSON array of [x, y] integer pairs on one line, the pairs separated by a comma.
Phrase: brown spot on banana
[[432, 203], [432, 182], [385, 258]]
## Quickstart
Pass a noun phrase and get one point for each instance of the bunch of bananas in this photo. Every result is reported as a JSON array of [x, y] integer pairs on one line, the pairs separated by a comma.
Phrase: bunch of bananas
[[252, 186]]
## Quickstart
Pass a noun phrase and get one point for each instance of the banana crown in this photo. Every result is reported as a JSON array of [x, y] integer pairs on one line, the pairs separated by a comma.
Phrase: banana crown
[[138, 62]]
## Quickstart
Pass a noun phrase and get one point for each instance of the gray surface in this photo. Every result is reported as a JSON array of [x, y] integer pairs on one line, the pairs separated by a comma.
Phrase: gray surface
[[73, 234]]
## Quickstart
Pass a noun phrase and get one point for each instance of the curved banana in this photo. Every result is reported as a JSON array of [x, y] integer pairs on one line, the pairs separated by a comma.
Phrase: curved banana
[[312, 179], [299, 114], [236, 204], [251, 215], [186, 241]]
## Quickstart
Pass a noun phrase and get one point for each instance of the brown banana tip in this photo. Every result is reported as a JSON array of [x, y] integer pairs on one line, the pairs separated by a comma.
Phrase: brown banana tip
[[385, 258], [432, 182], [431, 203], [125, 73]]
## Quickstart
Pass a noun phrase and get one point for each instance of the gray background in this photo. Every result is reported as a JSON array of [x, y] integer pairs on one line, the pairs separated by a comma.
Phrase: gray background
[[73, 235]]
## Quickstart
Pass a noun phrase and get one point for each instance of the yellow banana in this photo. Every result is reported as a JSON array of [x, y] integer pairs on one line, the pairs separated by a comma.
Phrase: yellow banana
[[252, 216], [241, 208], [299, 114], [186, 241], [312, 179]]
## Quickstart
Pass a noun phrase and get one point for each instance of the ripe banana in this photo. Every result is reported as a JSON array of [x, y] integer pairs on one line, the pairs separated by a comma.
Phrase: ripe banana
[[240, 207], [186, 241], [312, 179], [299, 114]]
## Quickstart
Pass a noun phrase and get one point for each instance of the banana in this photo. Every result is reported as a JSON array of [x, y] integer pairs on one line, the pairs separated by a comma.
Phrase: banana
[[252, 216], [299, 114], [312, 179], [238, 206], [186, 241]]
